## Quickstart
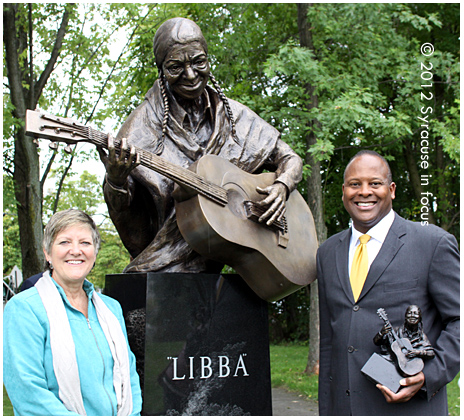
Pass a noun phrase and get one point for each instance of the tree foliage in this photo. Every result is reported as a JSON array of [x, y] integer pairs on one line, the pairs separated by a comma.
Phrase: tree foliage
[[368, 72], [83, 193]]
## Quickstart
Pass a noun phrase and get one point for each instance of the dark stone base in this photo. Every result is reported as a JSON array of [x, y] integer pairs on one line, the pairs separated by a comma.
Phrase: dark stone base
[[382, 371], [201, 342]]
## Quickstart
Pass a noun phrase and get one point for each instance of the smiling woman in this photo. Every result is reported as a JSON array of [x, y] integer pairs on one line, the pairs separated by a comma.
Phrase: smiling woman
[[65, 347], [71, 243]]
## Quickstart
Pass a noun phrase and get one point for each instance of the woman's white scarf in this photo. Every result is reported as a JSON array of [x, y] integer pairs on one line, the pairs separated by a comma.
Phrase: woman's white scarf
[[64, 355]]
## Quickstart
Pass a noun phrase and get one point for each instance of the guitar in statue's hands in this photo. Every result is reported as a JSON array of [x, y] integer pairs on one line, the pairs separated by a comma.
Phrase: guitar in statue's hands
[[220, 220]]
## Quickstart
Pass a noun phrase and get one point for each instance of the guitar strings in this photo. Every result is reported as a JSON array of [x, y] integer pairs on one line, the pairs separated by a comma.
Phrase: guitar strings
[[176, 173], [166, 168], [158, 164]]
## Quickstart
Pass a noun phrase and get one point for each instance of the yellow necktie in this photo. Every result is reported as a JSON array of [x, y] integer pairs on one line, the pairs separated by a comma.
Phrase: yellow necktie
[[359, 267]]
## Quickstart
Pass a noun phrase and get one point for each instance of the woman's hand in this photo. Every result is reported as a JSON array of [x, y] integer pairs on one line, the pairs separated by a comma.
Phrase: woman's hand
[[412, 385], [277, 195], [119, 164]]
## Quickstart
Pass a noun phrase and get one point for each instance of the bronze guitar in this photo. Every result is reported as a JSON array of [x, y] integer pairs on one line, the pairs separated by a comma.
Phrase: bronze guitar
[[220, 221]]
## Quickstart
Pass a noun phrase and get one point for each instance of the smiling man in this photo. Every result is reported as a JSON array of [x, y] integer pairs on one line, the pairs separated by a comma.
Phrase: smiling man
[[368, 191], [384, 261]]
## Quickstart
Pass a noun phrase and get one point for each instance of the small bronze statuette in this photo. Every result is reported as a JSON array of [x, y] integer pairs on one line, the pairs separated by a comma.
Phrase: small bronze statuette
[[403, 349]]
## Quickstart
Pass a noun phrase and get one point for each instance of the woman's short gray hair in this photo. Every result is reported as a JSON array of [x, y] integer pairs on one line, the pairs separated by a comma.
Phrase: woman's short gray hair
[[61, 220]]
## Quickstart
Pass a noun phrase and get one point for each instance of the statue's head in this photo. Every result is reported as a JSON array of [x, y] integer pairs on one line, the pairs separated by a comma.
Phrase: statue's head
[[176, 31], [181, 56], [413, 315]]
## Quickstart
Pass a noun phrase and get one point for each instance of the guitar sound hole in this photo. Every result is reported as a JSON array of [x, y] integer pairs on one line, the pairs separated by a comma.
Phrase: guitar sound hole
[[236, 202]]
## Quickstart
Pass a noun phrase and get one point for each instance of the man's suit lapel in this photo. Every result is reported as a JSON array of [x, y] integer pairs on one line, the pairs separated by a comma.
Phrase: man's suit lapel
[[341, 261], [390, 247]]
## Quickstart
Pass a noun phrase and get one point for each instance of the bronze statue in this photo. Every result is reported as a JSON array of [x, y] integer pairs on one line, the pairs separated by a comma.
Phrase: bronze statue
[[403, 350], [408, 343], [184, 121], [184, 180]]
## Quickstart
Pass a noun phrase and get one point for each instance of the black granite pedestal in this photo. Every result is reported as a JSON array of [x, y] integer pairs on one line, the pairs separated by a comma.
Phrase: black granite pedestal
[[201, 342]]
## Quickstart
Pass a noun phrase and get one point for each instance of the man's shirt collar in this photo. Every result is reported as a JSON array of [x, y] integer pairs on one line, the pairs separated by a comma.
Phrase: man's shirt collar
[[378, 232]]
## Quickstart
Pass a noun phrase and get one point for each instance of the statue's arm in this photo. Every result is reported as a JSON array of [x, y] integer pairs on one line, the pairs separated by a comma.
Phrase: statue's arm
[[133, 213], [288, 165]]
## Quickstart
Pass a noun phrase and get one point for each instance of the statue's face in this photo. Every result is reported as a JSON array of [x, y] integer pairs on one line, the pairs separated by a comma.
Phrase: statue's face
[[413, 315], [186, 69]]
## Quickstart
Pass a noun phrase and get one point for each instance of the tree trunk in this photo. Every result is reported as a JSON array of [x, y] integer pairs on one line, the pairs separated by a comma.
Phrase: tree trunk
[[28, 188], [28, 192], [314, 185]]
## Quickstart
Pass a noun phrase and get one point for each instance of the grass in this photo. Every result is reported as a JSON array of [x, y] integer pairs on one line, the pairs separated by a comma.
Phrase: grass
[[287, 366], [454, 400], [7, 407], [288, 363]]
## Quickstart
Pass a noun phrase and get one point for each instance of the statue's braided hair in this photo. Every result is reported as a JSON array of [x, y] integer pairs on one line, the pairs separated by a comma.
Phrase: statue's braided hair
[[165, 104], [229, 114]]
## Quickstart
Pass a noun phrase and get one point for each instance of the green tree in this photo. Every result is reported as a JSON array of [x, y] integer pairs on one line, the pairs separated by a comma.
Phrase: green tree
[[112, 257], [11, 249], [57, 56], [84, 193], [24, 91], [366, 68]]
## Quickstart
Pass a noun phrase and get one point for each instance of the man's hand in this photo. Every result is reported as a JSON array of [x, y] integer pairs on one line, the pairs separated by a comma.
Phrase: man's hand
[[119, 165], [277, 195], [412, 385]]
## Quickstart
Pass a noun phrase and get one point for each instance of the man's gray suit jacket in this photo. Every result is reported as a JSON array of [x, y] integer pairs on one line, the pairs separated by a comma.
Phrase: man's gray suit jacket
[[416, 265]]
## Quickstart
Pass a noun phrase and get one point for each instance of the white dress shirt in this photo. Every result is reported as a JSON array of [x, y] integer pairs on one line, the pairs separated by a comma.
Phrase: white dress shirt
[[378, 233]]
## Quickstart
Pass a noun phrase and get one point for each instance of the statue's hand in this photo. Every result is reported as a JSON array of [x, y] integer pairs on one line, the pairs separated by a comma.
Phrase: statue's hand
[[119, 164], [386, 329], [413, 353], [277, 195]]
